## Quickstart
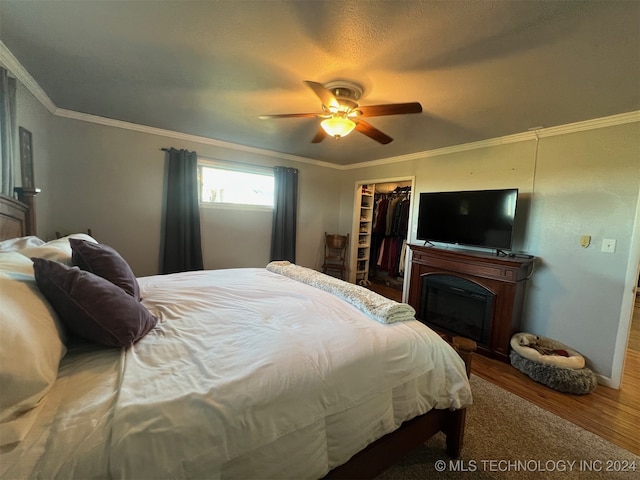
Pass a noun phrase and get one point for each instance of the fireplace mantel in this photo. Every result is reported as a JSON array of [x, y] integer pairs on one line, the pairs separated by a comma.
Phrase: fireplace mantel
[[505, 277]]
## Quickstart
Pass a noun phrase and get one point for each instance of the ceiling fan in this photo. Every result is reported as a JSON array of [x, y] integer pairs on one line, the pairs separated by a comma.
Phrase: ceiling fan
[[342, 114]]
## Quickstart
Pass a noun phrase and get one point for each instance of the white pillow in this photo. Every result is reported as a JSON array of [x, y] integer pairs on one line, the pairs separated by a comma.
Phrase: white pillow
[[58, 250], [31, 346], [19, 243]]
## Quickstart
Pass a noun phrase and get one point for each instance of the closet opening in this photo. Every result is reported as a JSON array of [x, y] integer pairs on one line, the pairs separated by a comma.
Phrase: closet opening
[[382, 222]]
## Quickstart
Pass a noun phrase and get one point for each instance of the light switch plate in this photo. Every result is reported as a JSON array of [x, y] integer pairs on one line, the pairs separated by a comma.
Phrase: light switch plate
[[608, 245]]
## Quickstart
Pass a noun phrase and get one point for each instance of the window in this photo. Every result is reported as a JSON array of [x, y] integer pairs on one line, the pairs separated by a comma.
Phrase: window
[[223, 185]]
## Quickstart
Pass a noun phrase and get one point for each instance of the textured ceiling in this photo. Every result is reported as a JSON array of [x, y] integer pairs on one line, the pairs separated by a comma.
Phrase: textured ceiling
[[480, 69]]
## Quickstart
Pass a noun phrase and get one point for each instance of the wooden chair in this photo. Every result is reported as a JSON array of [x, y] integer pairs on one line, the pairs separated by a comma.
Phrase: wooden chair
[[335, 253]]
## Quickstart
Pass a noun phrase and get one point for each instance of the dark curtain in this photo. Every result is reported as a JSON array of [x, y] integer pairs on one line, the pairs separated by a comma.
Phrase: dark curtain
[[182, 247], [283, 234], [7, 131]]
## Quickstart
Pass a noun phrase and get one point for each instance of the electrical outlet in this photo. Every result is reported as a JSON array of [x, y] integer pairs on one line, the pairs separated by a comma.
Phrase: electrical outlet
[[608, 245]]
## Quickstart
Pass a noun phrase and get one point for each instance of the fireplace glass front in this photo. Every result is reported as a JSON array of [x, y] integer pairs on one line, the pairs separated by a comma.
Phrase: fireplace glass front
[[458, 306]]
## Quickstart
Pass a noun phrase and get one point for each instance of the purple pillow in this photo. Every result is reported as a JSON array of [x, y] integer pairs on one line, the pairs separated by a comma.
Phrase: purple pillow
[[105, 262], [92, 307]]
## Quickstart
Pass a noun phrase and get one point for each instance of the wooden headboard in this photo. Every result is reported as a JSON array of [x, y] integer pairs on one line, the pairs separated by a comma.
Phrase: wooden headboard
[[16, 218]]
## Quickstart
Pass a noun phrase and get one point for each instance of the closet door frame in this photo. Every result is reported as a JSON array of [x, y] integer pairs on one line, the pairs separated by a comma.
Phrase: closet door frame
[[355, 224]]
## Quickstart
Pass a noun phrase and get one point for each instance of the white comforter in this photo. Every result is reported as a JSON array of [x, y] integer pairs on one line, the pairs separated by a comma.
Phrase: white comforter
[[248, 374]]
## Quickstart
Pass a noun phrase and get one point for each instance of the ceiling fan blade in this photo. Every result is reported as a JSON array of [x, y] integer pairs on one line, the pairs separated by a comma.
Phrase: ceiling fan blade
[[292, 115], [328, 100], [389, 109], [320, 135], [372, 132]]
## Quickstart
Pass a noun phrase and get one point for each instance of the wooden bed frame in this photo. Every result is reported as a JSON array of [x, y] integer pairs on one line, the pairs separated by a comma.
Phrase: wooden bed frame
[[12, 218], [17, 218]]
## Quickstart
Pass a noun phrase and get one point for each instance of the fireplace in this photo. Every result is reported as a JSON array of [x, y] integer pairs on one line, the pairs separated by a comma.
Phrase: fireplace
[[469, 294], [458, 306]]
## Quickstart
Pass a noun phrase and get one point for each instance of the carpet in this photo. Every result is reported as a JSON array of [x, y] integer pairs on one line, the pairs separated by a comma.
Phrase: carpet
[[507, 437]]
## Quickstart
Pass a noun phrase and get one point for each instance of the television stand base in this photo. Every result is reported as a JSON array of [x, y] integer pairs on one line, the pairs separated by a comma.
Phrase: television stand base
[[505, 277]]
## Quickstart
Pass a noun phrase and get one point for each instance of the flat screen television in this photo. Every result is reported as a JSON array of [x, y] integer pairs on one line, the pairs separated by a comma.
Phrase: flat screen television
[[478, 218]]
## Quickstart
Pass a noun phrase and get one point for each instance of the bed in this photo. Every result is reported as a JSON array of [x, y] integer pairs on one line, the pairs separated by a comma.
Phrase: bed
[[246, 373]]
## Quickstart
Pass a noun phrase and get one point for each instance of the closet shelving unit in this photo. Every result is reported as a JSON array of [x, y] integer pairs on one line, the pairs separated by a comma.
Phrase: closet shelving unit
[[365, 227]]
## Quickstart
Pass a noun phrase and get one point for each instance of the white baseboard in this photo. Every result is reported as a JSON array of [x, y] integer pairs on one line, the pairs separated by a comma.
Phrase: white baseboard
[[606, 382]]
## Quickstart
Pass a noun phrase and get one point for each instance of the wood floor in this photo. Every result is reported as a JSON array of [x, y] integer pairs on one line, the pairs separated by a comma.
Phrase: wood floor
[[386, 291], [609, 413]]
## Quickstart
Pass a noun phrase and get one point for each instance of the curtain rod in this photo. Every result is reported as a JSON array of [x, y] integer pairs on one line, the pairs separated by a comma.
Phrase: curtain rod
[[227, 161]]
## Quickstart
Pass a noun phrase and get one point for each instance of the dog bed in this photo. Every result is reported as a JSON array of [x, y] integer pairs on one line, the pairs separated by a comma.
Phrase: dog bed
[[546, 351], [551, 363]]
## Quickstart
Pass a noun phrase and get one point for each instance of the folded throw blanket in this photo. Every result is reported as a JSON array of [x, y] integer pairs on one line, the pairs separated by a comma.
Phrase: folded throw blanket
[[374, 305]]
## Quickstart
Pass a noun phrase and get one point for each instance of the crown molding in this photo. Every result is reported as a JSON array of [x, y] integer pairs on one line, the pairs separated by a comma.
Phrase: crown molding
[[15, 67], [619, 119], [533, 134], [492, 142], [602, 122], [24, 77], [110, 122]]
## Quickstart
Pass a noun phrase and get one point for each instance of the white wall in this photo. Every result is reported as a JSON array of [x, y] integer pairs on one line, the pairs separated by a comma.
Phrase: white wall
[[111, 180], [33, 116], [585, 182]]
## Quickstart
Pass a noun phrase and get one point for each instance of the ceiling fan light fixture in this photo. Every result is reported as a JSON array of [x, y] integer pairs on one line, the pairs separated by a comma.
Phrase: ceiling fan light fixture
[[339, 107], [338, 126]]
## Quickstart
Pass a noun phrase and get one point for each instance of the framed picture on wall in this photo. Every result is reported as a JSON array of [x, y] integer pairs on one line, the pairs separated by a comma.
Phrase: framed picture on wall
[[26, 158]]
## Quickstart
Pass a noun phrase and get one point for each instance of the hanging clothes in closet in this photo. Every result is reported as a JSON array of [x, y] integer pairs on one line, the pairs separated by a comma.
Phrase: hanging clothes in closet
[[389, 235]]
